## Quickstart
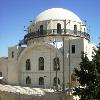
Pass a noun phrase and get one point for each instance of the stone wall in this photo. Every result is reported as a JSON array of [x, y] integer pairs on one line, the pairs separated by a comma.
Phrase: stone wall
[[4, 95]]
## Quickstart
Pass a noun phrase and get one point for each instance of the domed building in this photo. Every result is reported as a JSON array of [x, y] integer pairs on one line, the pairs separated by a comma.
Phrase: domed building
[[54, 42]]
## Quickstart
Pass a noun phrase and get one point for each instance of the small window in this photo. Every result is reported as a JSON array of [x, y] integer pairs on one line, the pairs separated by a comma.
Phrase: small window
[[12, 54], [75, 28], [0, 74], [73, 48], [56, 64], [41, 81], [28, 80], [59, 28], [41, 63], [41, 29], [28, 64], [55, 81]]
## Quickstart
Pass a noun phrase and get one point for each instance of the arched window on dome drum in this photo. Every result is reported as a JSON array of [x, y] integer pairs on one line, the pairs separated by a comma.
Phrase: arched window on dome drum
[[41, 63], [41, 29], [75, 28], [28, 80], [12, 54], [55, 81], [28, 64], [56, 64], [59, 28], [41, 81]]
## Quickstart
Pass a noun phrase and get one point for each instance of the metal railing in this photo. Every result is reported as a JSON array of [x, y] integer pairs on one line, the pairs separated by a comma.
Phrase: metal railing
[[55, 32]]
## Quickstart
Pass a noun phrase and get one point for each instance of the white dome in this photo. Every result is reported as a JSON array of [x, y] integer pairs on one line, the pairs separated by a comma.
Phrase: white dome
[[57, 13]]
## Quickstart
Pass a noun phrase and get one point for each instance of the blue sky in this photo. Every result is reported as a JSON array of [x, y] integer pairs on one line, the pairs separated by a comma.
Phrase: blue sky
[[15, 14]]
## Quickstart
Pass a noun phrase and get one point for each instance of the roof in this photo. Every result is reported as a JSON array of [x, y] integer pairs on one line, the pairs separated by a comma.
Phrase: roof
[[57, 13]]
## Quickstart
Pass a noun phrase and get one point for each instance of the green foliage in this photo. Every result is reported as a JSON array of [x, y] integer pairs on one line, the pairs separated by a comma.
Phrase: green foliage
[[88, 76]]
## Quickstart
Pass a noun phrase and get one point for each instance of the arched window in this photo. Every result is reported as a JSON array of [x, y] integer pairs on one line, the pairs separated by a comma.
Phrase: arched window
[[41, 29], [41, 81], [75, 28], [28, 65], [55, 81], [12, 54], [41, 63], [28, 80], [59, 28], [56, 64]]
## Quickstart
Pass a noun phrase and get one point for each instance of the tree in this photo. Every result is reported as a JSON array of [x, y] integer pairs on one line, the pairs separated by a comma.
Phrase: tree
[[96, 60], [88, 76]]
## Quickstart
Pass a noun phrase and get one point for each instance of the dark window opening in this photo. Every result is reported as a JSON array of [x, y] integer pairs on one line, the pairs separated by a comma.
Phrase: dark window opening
[[0, 74], [41, 63], [75, 28], [55, 81], [56, 64], [28, 80], [59, 28], [12, 54], [41, 81], [41, 29], [28, 65], [73, 48]]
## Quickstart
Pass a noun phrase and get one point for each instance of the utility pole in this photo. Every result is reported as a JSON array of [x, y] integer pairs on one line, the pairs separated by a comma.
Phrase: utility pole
[[63, 67], [55, 65], [56, 68], [69, 69]]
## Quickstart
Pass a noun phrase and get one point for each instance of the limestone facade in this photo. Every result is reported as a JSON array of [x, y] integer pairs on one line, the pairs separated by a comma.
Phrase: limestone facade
[[49, 41]]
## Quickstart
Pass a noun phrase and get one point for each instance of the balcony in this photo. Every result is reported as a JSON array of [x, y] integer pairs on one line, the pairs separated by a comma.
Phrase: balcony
[[55, 32]]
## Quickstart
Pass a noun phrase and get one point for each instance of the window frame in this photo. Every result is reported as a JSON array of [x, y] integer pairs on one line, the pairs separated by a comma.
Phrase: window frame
[[41, 63], [58, 28], [41, 30], [28, 80], [12, 54], [75, 28], [55, 81], [56, 62], [28, 64], [73, 49], [41, 81]]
